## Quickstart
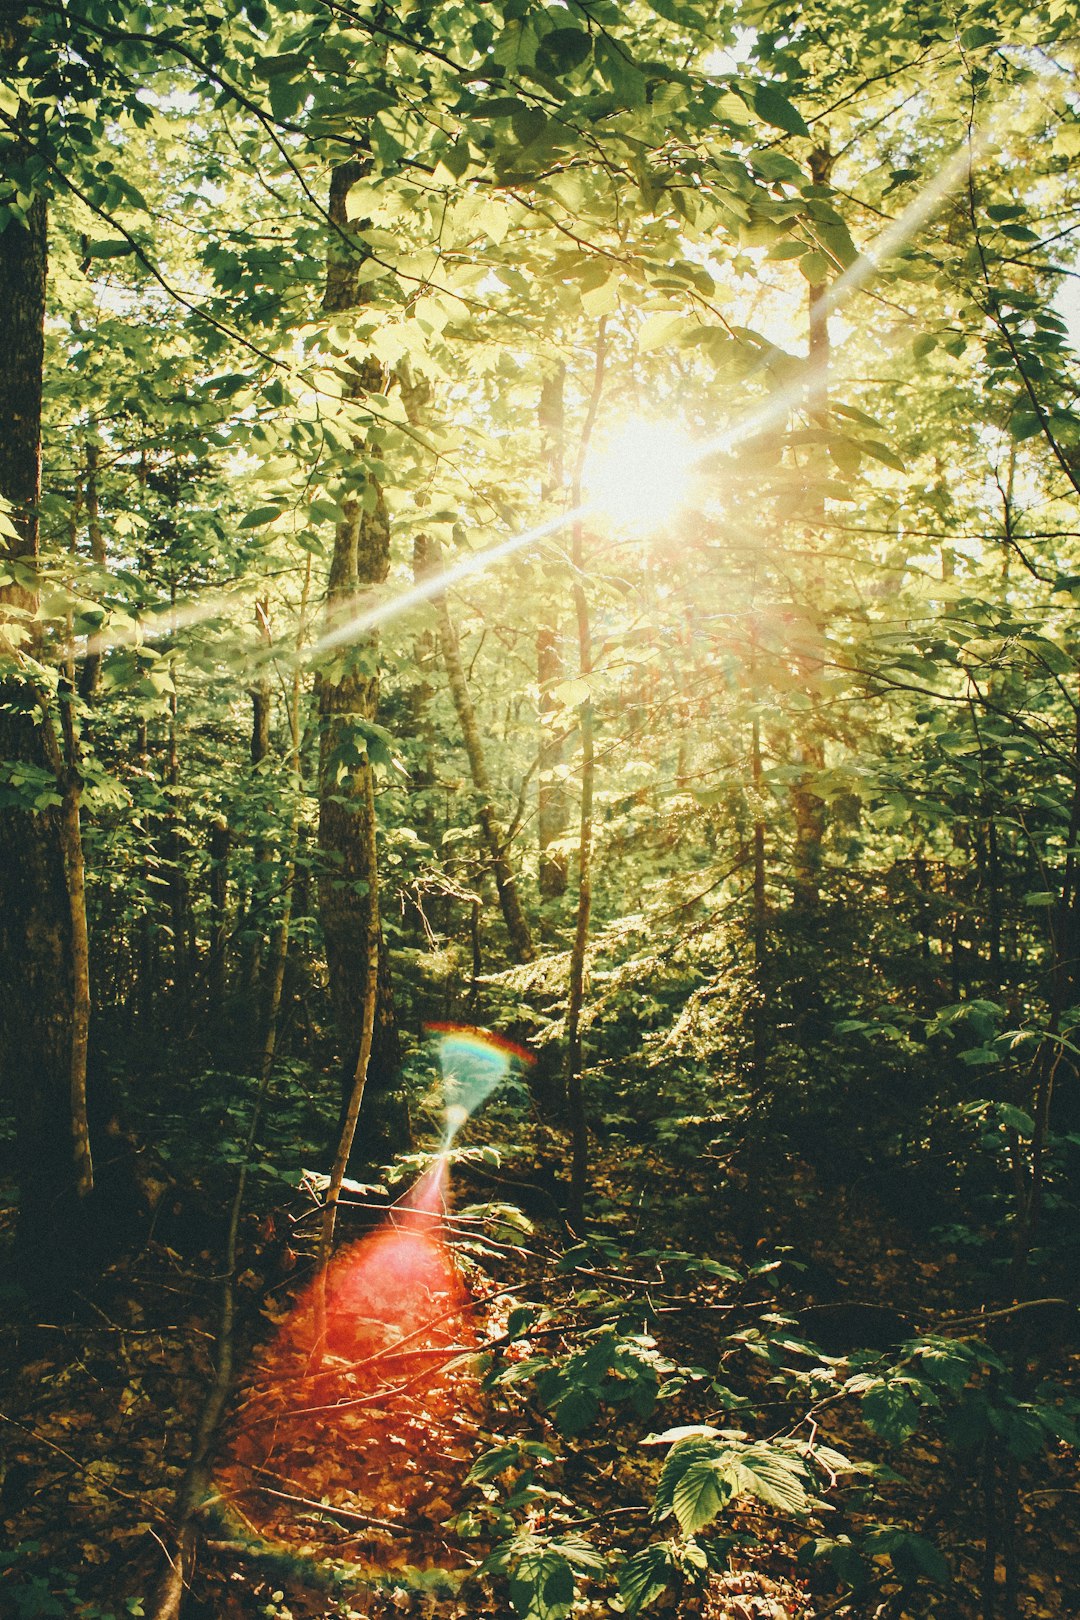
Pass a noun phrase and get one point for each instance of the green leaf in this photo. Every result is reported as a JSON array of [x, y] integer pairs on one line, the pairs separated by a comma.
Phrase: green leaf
[[542, 1586], [289, 63], [1015, 1119], [786, 249], [777, 110], [490, 1464], [576, 1410], [889, 1411], [702, 1493], [529, 126], [456, 158], [112, 248], [660, 329], [912, 1555], [882, 452], [816, 267], [259, 517], [775, 1479], [1024, 424], [499, 107], [645, 1576], [563, 50]]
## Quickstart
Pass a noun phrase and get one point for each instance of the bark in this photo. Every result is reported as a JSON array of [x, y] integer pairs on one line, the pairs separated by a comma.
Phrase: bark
[[279, 950], [552, 807], [517, 927], [418, 719], [219, 929], [807, 807], [348, 703], [66, 768], [993, 879], [760, 913], [260, 702], [368, 1024], [575, 1095], [91, 670], [45, 1008], [553, 810], [43, 1015], [180, 918], [261, 713]]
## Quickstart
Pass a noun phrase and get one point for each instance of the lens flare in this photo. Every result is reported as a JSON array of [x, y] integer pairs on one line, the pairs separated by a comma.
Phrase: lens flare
[[640, 477], [473, 1063], [364, 1407]]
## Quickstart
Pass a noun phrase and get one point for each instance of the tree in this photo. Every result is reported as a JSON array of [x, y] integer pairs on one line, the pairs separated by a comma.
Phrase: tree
[[43, 943]]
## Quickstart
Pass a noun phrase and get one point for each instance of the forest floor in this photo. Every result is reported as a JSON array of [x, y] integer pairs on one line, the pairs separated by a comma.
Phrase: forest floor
[[350, 1497]]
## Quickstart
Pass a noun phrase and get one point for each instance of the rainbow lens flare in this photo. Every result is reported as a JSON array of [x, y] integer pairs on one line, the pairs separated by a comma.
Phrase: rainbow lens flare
[[473, 1063], [362, 1414]]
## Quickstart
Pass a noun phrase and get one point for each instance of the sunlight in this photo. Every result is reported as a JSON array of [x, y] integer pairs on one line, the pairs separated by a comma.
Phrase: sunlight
[[640, 477]]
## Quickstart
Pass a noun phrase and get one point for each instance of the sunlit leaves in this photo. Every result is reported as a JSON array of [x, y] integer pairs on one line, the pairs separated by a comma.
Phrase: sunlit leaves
[[703, 1473], [540, 1571]]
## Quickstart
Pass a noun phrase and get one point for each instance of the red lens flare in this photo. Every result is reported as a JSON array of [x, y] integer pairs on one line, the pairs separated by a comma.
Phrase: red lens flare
[[363, 1411], [363, 1399]]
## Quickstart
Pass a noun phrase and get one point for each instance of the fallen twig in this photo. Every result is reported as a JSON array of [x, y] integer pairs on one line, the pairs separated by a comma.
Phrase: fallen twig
[[343, 1515]]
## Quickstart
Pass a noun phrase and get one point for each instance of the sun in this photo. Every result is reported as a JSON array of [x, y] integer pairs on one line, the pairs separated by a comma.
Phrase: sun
[[640, 475]]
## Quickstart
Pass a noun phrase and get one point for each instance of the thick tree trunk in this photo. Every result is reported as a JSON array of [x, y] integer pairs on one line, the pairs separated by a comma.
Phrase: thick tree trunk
[[42, 1022], [348, 702], [517, 928], [368, 1029], [279, 949]]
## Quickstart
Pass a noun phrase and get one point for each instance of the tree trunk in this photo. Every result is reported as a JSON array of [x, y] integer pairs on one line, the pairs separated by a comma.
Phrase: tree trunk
[[348, 703], [260, 692], [368, 1028], [261, 715], [91, 670], [219, 928], [42, 1023], [760, 912], [575, 1095], [279, 949], [808, 809], [553, 811], [521, 945], [174, 844]]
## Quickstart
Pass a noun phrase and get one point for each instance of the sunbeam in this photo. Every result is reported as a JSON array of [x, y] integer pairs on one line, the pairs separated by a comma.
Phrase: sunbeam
[[774, 411], [637, 489]]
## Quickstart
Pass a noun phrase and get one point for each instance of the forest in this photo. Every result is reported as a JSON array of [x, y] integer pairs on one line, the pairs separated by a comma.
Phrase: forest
[[539, 809]]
